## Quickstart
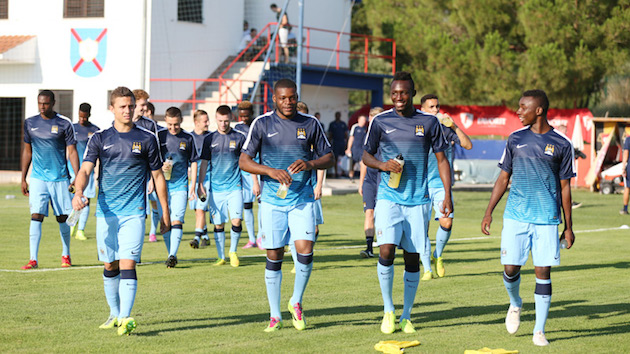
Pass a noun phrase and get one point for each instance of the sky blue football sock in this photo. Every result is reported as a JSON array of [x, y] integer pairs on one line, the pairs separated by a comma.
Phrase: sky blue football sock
[[235, 235], [167, 240], [35, 235], [512, 285], [83, 217], [542, 298], [385, 270], [303, 269], [219, 241], [176, 239], [127, 290], [441, 238], [411, 280], [155, 221], [273, 282], [198, 233], [248, 217], [425, 257], [111, 283], [64, 231]]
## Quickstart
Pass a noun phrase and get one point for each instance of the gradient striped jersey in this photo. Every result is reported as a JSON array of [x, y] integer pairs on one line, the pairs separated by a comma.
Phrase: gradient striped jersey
[[48, 139], [82, 134], [280, 142], [182, 150], [126, 159], [537, 163], [223, 151], [244, 128], [148, 124], [412, 137], [434, 174], [199, 144]]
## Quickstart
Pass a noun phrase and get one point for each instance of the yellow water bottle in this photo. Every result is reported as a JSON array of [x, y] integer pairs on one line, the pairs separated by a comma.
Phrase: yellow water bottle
[[169, 168], [394, 178], [282, 191]]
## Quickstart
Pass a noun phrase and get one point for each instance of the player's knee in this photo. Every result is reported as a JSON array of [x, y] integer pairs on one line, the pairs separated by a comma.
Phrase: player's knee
[[111, 273], [274, 265], [305, 258], [37, 217], [218, 229], [385, 262], [248, 206], [446, 224], [511, 270], [128, 274], [62, 218], [511, 278], [176, 226], [412, 264], [238, 228]]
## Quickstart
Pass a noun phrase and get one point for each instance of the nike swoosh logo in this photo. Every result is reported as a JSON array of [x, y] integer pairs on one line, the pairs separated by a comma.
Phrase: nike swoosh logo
[[390, 131], [272, 134], [215, 145], [34, 128], [520, 146], [134, 253], [107, 146], [164, 144]]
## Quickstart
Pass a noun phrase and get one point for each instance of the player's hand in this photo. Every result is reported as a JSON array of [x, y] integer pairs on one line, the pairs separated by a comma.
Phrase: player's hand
[[569, 236], [317, 193], [447, 206], [201, 190], [281, 176], [78, 202], [623, 173], [191, 194], [165, 225], [299, 166], [348, 153], [361, 188], [485, 224], [256, 189], [25, 188], [391, 166], [151, 187]]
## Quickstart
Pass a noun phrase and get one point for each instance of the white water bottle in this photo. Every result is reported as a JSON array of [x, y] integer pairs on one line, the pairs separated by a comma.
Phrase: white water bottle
[[74, 216], [169, 169]]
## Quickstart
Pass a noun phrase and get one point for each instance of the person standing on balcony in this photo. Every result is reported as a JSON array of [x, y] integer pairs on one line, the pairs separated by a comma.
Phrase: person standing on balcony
[[338, 133], [283, 32]]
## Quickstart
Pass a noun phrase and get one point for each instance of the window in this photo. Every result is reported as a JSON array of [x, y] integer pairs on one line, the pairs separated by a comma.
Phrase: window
[[83, 8], [64, 100], [11, 134], [4, 9], [190, 11]]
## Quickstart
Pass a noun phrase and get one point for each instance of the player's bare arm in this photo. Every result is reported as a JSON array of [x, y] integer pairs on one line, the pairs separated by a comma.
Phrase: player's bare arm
[[567, 204], [162, 193], [255, 185], [80, 182], [464, 140], [321, 163], [445, 175], [388, 166], [500, 186], [624, 162], [193, 180], [247, 164], [362, 173], [27, 156]]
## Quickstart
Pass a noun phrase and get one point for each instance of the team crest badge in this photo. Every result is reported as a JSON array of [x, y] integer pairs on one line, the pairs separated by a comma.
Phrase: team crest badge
[[88, 50], [182, 145], [549, 149], [54, 129], [232, 144], [102, 250], [136, 147], [419, 130], [301, 133]]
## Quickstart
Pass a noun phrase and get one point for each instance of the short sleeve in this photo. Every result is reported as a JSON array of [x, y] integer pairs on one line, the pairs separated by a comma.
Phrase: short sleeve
[[153, 154], [194, 153], [567, 165], [506, 159], [27, 136], [373, 137], [450, 135], [93, 148], [254, 139], [69, 134], [206, 152], [321, 146], [626, 143], [438, 139]]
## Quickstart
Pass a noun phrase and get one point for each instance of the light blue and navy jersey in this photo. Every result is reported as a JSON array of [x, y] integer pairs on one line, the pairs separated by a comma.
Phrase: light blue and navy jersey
[[48, 139], [148, 124], [358, 132], [412, 137], [199, 144], [626, 146], [82, 134], [280, 142], [537, 163], [126, 159], [182, 150], [244, 128], [223, 152], [338, 130], [434, 174]]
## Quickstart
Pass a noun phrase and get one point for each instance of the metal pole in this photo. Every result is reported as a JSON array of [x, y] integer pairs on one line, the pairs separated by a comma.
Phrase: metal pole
[[298, 69], [273, 40]]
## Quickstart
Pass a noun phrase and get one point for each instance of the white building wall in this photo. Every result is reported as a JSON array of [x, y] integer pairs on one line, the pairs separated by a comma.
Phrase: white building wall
[[53, 69], [326, 101]]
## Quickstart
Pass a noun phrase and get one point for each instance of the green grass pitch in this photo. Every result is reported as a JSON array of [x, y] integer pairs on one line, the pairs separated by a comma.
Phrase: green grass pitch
[[200, 308]]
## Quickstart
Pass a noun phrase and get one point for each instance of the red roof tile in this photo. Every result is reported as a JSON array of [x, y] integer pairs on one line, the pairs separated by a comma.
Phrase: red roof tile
[[9, 42]]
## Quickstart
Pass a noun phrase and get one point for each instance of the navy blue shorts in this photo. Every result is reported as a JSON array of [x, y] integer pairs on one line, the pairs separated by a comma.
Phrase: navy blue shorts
[[369, 195]]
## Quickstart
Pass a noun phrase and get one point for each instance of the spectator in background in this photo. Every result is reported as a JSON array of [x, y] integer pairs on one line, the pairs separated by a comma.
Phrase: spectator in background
[[251, 51], [318, 116], [150, 111], [338, 133], [245, 28], [283, 32], [626, 189], [355, 143]]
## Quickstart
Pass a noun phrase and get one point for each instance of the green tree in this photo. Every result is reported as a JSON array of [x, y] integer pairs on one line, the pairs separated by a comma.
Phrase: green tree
[[487, 52]]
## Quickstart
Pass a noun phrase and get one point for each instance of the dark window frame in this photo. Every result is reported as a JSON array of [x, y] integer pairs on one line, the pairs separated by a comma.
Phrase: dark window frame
[[4, 9], [190, 11], [83, 8]]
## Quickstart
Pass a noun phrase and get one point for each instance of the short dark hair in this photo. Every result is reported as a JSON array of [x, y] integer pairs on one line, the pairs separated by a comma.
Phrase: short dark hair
[[47, 93], [541, 97], [121, 91], [85, 108], [173, 112], [427, 97], [273, 6], [224, 110], [404, 76], [284, 83], [150, 107]]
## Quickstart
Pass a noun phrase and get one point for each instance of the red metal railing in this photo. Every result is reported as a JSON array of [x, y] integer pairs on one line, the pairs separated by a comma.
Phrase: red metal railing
[[258, 46]]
